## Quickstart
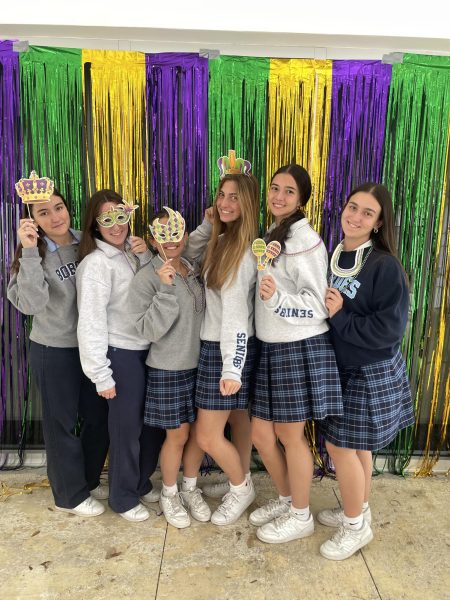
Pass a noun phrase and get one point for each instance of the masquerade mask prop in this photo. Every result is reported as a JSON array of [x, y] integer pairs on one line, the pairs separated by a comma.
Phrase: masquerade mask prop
[[172, 231], [230, 165], [119, 215], [270, 252], [34, 190]]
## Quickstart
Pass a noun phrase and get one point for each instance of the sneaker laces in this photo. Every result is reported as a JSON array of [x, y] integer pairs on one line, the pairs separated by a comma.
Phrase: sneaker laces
[[228, 501], [174, 505], [195, 499], [345, 537], [272, 508]]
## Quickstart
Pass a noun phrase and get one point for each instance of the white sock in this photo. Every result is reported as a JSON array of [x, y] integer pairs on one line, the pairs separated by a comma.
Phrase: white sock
[[242, 488], [169, 490], [189, 484], [354, 523], [248, 476], [301, 513], [286, 499], [365, 506]]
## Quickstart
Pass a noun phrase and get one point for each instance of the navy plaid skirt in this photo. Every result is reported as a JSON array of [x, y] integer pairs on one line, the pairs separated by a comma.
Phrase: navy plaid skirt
[[297, 381], [207, 394], [377, 404], [170, 397]]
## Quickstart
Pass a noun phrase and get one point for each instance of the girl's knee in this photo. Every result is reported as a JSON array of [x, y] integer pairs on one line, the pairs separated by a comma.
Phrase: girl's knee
[[262, 436]]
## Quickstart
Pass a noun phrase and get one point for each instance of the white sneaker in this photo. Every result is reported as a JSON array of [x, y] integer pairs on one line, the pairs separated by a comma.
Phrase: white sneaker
[[197, 506], [285, 528], [268, 512], [152, 496], [101, 492], [174, 511], [334, 517], [216, 490], [136, 514], [233, 506], [88, 508], [345, 542]]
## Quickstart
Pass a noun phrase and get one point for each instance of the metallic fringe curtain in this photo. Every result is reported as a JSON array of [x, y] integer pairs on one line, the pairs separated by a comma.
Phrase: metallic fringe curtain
[[177, 102], [52, 118], [298, 125], [237, 100], [115, 125], [414, 167], [358, 115], [13, 379]]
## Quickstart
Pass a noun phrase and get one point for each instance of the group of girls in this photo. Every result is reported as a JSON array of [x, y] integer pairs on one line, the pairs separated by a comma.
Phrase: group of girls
[[178, 342]]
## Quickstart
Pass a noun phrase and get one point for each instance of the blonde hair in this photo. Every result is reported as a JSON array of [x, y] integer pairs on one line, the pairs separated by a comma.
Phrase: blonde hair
[[229, 242]]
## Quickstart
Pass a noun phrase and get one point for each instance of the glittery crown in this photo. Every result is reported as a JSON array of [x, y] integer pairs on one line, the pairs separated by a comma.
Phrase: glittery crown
[[35, 188], [230, 165]]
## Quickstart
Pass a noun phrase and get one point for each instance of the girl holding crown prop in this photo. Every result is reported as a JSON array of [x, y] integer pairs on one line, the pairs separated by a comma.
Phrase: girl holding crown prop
[[112, 352], [297, 377], [43, 285], [167, 302], [368, 308], [228, 345]]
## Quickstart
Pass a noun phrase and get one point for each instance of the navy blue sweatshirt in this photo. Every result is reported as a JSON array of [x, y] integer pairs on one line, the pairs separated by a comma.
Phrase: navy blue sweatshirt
[[372, 322]]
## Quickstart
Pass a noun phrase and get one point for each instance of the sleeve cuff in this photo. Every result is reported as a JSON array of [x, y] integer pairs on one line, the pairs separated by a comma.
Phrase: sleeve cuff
[[231, 375], [273, 302], [107, 384], [30, 252]]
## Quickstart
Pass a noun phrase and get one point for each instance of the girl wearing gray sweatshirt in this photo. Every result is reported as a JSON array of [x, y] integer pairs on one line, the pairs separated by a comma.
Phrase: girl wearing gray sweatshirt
[[112, 352], [297, 377], [43, 285], [228, 345]]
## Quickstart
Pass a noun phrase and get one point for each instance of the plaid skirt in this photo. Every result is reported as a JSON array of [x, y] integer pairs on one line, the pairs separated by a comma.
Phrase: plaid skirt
[[169, 398], [297, 381], [207, 394], [377, 404]]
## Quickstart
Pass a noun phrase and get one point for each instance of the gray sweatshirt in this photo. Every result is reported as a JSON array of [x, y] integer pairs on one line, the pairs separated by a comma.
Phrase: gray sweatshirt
[[103, 279], [168, 316], [229, 317], [297, 309], [197, 242], [45, 288]]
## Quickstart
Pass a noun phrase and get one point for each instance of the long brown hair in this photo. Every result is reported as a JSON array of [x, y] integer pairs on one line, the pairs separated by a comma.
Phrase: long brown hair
[[90, 230], [229, 242], [384, 239], [41, 243]]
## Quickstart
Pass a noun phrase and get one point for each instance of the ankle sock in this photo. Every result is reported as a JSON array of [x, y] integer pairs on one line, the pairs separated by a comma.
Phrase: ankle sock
[[301, 513], [169, 490], [354, 523], [189, 484], [365, 506], [242, 488]]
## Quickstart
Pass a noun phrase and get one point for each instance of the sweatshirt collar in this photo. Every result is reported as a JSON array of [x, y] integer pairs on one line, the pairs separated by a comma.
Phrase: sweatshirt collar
[[52, 246]]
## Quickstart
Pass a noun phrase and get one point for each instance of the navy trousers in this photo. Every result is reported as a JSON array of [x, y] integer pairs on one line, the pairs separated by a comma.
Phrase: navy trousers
[[74, 464], [135, 448]]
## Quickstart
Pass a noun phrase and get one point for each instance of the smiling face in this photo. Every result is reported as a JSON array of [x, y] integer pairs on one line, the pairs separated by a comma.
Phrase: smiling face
[[283, 197], [53, 218], [171, 249], [227, 202], [115, 235], [359, 217]]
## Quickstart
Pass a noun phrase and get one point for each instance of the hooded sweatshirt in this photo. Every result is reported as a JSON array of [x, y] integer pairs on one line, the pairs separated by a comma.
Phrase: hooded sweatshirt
[[103, 279], [297, 309]]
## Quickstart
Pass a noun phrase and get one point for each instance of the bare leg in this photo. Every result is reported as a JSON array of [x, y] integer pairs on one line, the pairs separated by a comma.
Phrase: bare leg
[[351, 479], [171, 453], [265, 441], [192, 455], [210, 437], [300, 464], [241, 436], [365, 457]]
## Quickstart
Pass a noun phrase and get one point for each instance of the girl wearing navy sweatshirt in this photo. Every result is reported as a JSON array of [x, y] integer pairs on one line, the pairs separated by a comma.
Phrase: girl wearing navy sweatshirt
[[368, 308]]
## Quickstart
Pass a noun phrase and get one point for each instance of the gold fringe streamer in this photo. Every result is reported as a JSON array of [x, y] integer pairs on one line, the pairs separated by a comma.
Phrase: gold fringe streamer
[[114, 95], [438, 380], [7, 491], [299, 123]]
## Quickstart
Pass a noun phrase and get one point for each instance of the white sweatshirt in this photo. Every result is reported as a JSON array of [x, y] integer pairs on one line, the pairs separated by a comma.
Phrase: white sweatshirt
[[297, 309], [229, 317], [103, 279]]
